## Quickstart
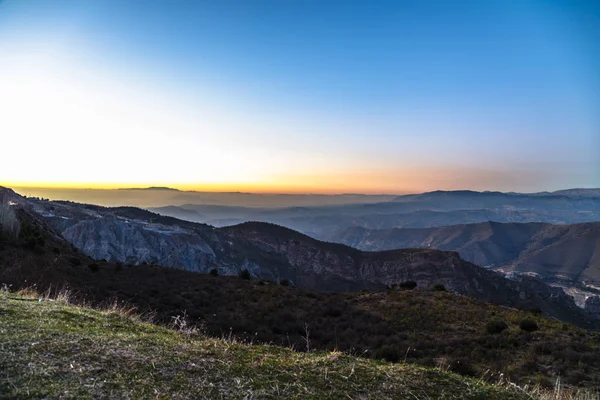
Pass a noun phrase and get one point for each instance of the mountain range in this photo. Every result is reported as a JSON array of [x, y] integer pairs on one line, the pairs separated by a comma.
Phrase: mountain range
[[425, 210], [555, 253], [135, 236], [111, 256]]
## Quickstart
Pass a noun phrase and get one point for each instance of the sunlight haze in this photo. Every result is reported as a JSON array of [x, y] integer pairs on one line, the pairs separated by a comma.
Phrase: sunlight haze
[[220, 96]]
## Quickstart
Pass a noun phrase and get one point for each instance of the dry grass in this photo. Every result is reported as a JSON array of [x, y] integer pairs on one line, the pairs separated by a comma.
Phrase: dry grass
[[52, 349]]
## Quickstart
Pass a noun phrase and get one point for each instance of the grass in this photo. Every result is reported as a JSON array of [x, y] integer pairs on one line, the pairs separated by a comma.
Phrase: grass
[[51, 349]]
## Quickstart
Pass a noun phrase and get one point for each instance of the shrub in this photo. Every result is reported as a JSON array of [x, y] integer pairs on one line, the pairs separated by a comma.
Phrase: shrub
[[245, 274], [118, 266], [536, 311], [438, 288], [408, 285], [31, 235], [496, 326], [284, 282], [462, 366], [528, 325], [389, 353], [213, 272], [93, 267]]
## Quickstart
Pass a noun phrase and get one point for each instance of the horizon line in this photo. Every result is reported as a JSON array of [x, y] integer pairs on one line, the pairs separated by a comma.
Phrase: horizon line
[[284, 193]]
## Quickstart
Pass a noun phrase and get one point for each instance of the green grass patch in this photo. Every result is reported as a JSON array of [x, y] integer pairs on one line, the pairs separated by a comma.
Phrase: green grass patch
[[50, 349]]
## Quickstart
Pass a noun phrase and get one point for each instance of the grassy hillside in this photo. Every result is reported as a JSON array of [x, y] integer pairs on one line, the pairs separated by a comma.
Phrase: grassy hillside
[[51, 349]]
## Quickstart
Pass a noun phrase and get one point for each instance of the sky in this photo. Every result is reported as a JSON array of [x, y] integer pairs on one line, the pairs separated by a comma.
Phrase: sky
[[300, 96]]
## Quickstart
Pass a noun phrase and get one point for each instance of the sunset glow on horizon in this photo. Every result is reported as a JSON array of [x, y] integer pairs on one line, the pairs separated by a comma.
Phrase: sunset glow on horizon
[[304, 98]]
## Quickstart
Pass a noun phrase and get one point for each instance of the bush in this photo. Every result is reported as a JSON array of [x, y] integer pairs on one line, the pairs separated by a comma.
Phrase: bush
[[496, 326], [213, 272], [462, 366], [389, 353], [528, 325], [408, 285], [31, 235], [284, 282], [438, 288], [93, 267], [536, 311], [245, 274]]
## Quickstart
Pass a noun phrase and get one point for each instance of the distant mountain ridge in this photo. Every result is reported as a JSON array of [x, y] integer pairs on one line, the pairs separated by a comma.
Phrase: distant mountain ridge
[[440, 208], [568, 252]]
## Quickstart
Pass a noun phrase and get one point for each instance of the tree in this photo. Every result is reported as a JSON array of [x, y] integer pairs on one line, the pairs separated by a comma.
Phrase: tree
[[528, 325], [438, 288], [408, 285]]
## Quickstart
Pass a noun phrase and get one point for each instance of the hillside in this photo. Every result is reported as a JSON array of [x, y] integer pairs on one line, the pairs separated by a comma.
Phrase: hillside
[[566, 252], [422, 326], [51, 349], [308, 258]]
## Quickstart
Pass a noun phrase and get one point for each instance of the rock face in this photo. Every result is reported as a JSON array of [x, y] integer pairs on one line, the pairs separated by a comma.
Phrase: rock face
[[134, 236], [133, 242], [268, 251]]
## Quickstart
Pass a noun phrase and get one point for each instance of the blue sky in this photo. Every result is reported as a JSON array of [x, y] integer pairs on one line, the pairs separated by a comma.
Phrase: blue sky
[[381, 96]]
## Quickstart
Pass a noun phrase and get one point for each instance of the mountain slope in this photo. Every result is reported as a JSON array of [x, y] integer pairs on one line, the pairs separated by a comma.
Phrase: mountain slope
[[82, 353], [426, 267], [569, 252]]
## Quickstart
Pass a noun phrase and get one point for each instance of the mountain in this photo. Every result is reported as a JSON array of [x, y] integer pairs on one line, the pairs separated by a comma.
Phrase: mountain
[[132, 235], [434, 329], [432, 209], [568, 253], [575, 193]]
